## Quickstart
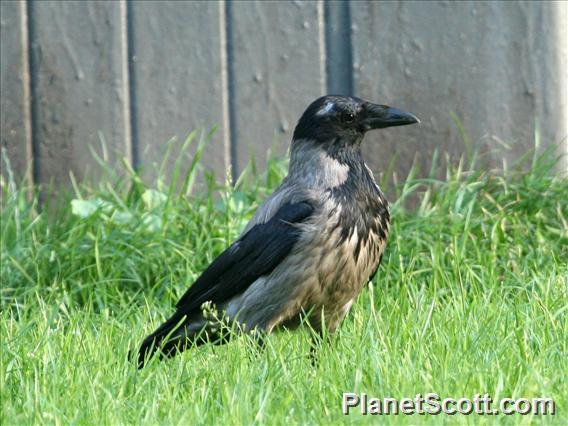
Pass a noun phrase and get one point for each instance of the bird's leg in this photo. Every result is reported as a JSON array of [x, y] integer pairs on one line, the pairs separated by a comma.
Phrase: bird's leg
[[259, 337], [258, 340], [314, 352], [318, 339]]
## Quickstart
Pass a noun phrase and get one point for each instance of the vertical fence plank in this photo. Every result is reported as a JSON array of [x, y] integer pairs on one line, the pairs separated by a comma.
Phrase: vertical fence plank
[[338, 47], [278, 55], [473, 59], [177, 68], [80, 86], [548, 47], [15, 118]]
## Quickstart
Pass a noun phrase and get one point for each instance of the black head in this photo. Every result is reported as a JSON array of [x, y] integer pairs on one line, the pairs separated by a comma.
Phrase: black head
[[330, 118]]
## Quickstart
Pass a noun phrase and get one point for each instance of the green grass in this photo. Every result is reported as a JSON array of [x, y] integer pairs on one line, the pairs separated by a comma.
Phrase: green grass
[[471, 298]]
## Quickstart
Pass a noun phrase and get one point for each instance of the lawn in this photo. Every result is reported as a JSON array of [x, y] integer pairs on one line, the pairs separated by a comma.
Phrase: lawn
[[471, 298]]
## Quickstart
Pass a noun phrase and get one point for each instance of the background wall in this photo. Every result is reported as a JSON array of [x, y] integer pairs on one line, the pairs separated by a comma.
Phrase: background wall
[[140, 72]]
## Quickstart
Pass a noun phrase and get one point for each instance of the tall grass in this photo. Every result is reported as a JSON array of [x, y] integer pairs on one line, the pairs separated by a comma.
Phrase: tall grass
[[471, 298]]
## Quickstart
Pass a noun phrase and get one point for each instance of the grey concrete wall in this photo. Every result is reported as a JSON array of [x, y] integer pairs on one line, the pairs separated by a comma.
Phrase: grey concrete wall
[[276, 69], [176, 79], [500, 67], [79, 87], [142, 72]]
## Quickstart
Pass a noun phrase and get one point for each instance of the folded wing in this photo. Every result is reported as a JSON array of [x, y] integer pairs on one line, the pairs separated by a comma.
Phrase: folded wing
[[254, 254]]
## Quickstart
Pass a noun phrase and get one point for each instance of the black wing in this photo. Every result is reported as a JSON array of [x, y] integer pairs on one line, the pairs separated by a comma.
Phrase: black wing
[[255, 254]]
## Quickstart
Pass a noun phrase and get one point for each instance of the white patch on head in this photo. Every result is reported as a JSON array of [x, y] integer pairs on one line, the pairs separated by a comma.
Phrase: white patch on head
[[326, 108]]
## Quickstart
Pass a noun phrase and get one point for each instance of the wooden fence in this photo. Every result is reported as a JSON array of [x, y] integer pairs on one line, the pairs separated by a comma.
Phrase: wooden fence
[[140, 72]]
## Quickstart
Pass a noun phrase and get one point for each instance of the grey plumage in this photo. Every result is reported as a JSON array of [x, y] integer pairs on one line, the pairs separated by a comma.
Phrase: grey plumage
[[310, 247]]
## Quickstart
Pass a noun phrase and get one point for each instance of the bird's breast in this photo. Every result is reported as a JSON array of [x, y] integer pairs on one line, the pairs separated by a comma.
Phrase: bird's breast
[[339, 250], [346, 243]]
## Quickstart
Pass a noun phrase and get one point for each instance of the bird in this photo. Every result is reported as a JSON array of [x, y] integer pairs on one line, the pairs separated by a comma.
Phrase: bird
[[308, 250]]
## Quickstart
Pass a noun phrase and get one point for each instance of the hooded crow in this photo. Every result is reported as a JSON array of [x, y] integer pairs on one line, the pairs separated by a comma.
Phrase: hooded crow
[[308, 250]]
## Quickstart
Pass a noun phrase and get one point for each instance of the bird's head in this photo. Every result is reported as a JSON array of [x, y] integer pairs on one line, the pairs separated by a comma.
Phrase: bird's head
[[344, 120]]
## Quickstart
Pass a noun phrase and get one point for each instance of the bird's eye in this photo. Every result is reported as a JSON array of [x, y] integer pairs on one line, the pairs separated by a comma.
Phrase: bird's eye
[[348, 117]]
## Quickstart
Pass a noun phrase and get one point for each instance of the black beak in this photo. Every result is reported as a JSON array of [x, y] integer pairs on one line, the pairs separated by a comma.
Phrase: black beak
[[381, 116]]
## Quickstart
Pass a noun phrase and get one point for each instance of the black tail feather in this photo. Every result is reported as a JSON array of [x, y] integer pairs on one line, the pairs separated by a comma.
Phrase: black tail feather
[[155, 341], [179, 333]]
